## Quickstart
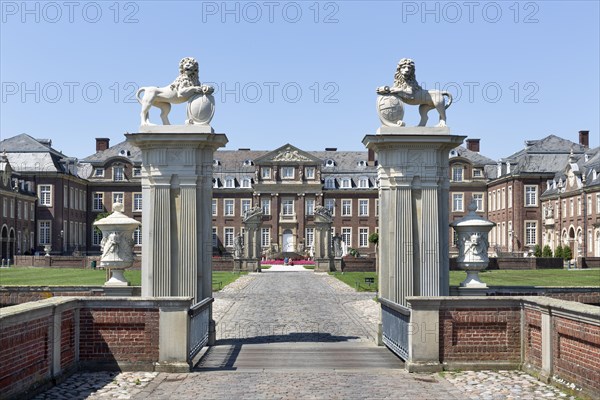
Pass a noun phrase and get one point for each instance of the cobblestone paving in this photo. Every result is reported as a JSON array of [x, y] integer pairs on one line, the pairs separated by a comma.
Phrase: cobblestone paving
[[279, 307]]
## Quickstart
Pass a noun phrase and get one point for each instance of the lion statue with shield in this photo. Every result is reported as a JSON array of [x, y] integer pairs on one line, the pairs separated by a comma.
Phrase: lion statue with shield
[[406, 90]]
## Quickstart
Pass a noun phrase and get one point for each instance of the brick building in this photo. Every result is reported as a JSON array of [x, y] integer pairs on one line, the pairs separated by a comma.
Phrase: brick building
[[571, 204]]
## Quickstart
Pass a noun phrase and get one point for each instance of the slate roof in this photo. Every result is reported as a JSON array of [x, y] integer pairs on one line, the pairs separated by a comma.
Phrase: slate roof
[[118, 150], [474, 157], [27, 154], [581, 168]]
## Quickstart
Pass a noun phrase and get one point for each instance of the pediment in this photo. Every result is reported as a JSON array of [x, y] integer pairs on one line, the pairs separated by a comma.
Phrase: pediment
[[288, 154]]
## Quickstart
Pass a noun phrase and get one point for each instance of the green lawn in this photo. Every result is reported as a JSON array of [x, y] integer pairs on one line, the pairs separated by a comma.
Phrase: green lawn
[[540, 277], [83, 277]]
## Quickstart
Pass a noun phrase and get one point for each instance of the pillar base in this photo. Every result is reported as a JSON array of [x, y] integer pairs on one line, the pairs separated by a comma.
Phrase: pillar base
[[324, 265], [423, 367]]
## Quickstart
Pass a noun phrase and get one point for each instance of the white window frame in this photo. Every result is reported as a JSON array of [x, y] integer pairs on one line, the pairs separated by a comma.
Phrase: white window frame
[[246, 183], [347, 234], [309, 172], [529, 190], [330, 205], [309, 206], [529, 225], [461, 198], [478, 197], [287, 207], [215, 205], [579, 209], [229, 182], [363, 207], [265, 237], [346, 207], [329, 182], [32, 212], [118, 173], [363, 237], [25, 213], [215, 238], [503, 198], [96, 237], [288, 172], [5, 207], [136, 202], [510, 201], [137, 172], [228, 207], [45, 195], [477, 173], [44, 232], [245, 205], [99, 172], [346, 183], [309, 237], [363, 182], [137, 236], [95, 204], [265, 205], [458, 173], [65, 196], [12, 208], [228, 236], [265, 172], [116, 196]]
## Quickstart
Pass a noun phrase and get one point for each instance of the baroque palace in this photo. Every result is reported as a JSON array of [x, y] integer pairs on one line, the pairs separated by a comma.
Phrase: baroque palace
[[547, 193]]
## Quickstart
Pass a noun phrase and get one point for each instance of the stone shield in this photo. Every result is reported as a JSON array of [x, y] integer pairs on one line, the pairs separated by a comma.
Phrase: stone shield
[[200, 109], [390, 109]]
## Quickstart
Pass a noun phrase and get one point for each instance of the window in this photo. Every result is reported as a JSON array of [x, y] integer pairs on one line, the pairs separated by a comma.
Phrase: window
[[457, 173], [510, 197], [228, 207], [588, 211], [330, 205], [597, 204], [98, 172], [32, 213], [571, 207], [287, 172], [503, 198], [457, 202], [564, 208], [96, 237], [118, 173], [287, 207], [330, 163], [65, 196], [246, 183], [137, 202], [363, 237], [214, 237], [228, 237], [478, 197], [346, 208], [19, 213], [265, 204], [98, 202], [44, 232], [490, 205], [4, 208], [137, 171], [309, 206], [215, 182], [347, 236], [363, 207], [346, 183], [309, 237], [579, 206], [530, 195], [118, 197], [309, 172], [45, 195], [377, 207], [12, 208], [498, 202], [329, 183], [72, 197], [477, 173], [265, 237], [26, 212], [265, 172], [363, 182], [530, 233], [137, 236], [229, 182], [245, 203], [214, 207]]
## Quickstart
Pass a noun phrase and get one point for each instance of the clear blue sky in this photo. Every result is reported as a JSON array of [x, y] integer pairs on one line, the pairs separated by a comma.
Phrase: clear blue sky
[[518, 70]]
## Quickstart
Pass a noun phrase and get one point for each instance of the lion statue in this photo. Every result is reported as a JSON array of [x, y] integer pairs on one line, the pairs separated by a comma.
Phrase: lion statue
[[186, 86], [406, 90]]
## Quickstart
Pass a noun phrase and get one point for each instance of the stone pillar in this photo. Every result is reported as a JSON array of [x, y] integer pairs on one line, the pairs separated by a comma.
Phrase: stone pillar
[[252, 247], [414, 186], [323, 255], [176, 200]]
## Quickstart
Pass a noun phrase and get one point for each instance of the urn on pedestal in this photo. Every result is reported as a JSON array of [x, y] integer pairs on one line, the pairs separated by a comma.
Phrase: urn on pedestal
[[117, 244], [472, 231]]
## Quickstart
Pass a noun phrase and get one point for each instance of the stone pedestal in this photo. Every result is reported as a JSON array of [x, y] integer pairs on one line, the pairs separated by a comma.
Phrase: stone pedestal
[[252, 248], [322, 241], [176, 200], [413, 236]]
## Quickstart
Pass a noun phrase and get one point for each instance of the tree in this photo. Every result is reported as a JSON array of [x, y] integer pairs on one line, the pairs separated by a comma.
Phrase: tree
[[547, 252], [558, 252], [537, 252], [374, 238], [567, 254]]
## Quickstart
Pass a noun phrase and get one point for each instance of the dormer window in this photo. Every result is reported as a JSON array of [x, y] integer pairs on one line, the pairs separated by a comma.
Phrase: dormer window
[[330, 163], [362, 163], [246, 183], [309, 172], [215, 182], [594, 174], [287, 172], [453, 153], [118, 173], [137, 171], [457, 173], [98, 172], [477, 173], [363, 182], [346, 183], [248, 163], [216, 162], [230, 182], [329, 183], [266, 172]]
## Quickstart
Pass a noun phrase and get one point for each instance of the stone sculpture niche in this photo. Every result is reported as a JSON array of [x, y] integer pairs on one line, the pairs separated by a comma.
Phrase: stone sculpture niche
[[406, 90], [186, 87]]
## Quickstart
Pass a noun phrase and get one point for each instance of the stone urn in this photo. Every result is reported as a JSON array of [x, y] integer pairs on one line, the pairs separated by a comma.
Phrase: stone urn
[[200, 109], [390, 109], [472, 231], [47, 250], [117, 244]]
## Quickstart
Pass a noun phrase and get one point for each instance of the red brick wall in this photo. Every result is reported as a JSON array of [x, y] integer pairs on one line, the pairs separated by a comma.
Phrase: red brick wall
[[577, 353], [483, 334], [533, 338], [25, 355], [124, 334], [10, 296], [361, 264], [67, 340]]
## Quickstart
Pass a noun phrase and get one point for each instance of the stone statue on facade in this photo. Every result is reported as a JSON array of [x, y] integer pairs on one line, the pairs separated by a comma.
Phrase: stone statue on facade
[[323, 213], [406, 90], [252, 213], [338, 251], [238, 246], [186, 87]]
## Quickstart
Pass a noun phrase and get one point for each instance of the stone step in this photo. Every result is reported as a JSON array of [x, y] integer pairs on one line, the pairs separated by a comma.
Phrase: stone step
[[298, 356]]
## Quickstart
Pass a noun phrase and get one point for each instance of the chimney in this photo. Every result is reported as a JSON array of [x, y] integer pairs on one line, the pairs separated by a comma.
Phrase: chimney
[[330, 148], [473, 145], [102, 144], [584, 138], [371, 156]]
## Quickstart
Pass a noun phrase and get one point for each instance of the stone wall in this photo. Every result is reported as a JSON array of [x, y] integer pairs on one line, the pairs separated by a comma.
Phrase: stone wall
[[64, 261], [585, 294], [518, 263], [554, 339], [13, 295], [222, 264], [44, 342], [358, 264], [589, 262]]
